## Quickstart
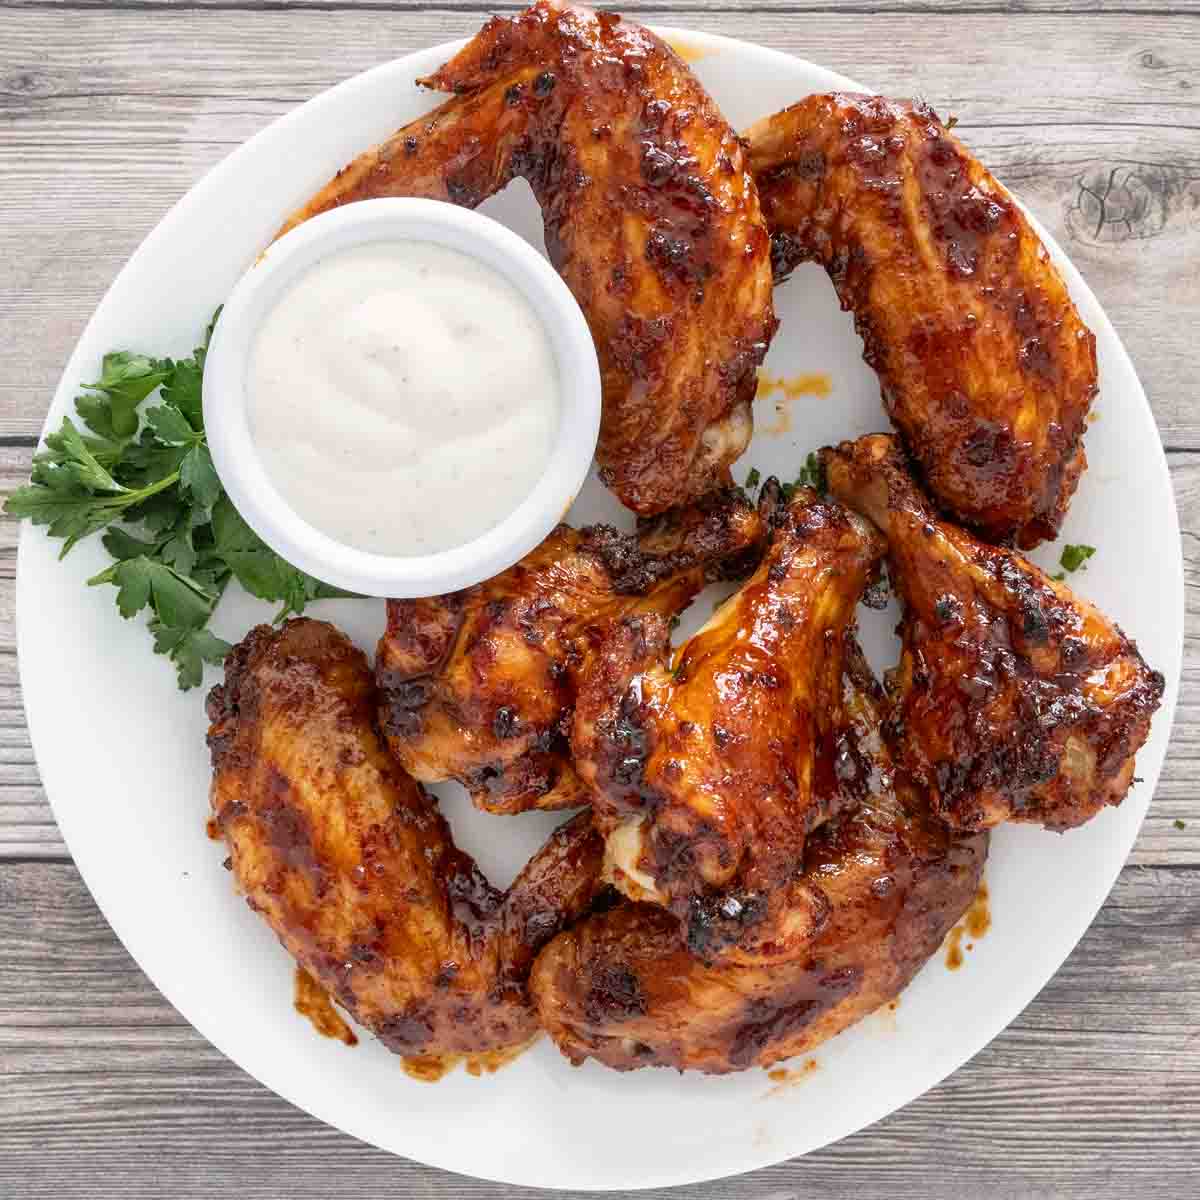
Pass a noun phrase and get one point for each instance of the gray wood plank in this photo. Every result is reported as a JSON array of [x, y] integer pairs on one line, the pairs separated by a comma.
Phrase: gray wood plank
[[1126, 8], [104, 1089], [27, 828], [106, 1092], [1113, 100]]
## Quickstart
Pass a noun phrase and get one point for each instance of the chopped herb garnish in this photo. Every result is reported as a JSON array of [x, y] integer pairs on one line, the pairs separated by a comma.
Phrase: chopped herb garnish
[[812, 474], [754, 478], [1180, 824], [145, 476], [1059, 576], [1074, 556]]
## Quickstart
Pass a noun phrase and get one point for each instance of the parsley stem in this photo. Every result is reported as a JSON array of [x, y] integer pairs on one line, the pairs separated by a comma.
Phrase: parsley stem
[[117, 504], [131, 498]]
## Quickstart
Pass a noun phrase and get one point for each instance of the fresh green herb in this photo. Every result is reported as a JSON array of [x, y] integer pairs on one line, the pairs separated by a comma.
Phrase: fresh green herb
[[1059, 576], [1180, 824], [754, 478], [674, 625], [812, 475], [951, 121], [145, 476], [1073, 556]]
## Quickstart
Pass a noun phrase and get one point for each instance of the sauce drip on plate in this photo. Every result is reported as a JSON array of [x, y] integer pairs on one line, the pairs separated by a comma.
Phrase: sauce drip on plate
[[312, 1001]]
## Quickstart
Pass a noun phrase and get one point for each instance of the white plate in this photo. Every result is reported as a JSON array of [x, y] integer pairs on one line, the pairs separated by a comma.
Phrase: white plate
[[123, 759]]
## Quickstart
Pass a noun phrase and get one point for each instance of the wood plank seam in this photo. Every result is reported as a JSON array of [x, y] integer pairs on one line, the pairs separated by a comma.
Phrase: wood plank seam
[[721, 7]]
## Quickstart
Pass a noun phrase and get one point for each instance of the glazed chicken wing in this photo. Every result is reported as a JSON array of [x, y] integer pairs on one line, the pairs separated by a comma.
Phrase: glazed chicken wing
[[621, 987], [479, 685], [1015, 698], [985, 366], [708, 774], [352, 866], [651, 216]]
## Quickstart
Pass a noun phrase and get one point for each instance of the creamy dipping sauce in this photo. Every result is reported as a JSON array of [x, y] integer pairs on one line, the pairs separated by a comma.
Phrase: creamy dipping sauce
[[403, 397]]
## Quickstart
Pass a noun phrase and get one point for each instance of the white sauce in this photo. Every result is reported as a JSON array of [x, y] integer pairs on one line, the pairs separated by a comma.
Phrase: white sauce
[[403, 397]]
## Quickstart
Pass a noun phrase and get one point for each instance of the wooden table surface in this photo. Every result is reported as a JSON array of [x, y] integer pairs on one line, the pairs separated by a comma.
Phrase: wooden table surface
[[109, 113]]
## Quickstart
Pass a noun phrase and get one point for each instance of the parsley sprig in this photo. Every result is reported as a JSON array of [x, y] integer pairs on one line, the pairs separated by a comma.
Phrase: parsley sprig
[[1072, 559], [145, 476]]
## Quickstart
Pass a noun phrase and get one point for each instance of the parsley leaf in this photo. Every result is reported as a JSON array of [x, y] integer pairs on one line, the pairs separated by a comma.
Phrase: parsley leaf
[[145, 476], [250, 559], [189, 650], [259, 569], [753, 479], [1074, 556], [122, 545], [176, 599], [170, 426], [125, 381], [198, 478], [69, 513], [812, 474], [75, 459], [182, 390]]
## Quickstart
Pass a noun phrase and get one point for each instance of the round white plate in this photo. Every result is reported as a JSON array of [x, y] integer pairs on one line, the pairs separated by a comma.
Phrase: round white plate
[[123, 759]]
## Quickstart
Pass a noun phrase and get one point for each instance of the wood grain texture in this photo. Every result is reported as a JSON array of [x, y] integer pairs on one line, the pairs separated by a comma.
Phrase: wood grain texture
[[27, 828], [1093, 121], [1094, 1091], [1089, 109], [1126, 8]]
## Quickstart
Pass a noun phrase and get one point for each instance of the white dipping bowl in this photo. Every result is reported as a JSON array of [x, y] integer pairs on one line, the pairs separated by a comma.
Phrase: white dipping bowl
[[242, 471]]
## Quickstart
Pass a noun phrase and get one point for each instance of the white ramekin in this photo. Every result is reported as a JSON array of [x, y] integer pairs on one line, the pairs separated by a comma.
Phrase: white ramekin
[[242, 472]]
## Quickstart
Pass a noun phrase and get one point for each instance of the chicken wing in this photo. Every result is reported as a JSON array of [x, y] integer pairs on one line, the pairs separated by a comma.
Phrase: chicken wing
[[985, 366], [651, 217], [621, 987], [479, 685], [352, 866], [1015, 698], [706, 777]]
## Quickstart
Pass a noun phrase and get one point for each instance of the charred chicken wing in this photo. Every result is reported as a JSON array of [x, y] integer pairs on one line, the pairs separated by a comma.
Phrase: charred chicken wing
[[707, 776], [479, 685], [621, 986], [651, 216], [350, 863], [1015, 698], [985, 366]]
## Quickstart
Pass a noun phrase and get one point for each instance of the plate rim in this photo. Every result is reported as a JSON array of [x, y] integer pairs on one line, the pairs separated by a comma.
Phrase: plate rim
[[86, 863]]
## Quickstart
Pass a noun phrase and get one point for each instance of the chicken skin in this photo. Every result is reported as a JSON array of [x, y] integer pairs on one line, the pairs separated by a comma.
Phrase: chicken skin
[[621, 987], [651, 217], [985, 366], [352, 866], [1015, 698], [479, 685], [707, 777]]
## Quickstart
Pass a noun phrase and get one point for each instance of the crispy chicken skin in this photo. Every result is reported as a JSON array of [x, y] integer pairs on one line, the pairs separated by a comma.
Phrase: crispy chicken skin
[[706, 777], [621, 987], [985, 366], [1015, 698], [479, 685], [651, 216], [352, 866]]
